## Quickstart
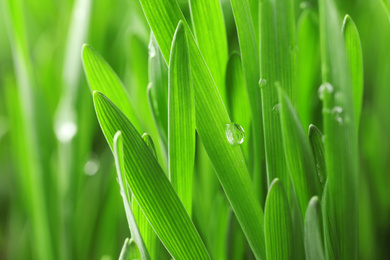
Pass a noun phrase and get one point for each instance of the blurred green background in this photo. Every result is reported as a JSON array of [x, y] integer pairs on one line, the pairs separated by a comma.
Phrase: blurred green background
[[58, 195]]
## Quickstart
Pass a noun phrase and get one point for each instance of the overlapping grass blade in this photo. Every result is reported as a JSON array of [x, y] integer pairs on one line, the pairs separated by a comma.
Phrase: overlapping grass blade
[[181, 119], [339, 130], [210, 34], [309, 65], [277, 64], [317, 146], [158, 89], [126, 193], [129, 250], [355, 60], [314, 235], [101, 77], [277, 223], [211, 120], [299, 157], [149, 185], [250, 65]]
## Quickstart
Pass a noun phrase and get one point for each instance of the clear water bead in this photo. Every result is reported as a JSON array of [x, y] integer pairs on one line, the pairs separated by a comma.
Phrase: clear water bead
[[262, 83], [235, 134], [325, 88], [276, 109], [338, 114], [65, 131]]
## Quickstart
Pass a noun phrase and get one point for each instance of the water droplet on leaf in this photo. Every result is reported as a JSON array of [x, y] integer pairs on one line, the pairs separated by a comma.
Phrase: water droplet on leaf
[[235, 134], [65, 131], [276, 109], [262, 83], [338, 114], [325, 88]]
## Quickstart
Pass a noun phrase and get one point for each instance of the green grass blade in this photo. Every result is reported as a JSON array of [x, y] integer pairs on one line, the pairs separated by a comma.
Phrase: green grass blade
[[149, 185], [181, 119], [210, 34], [125, 193], [211, 119], [386, 6], [355, 59], [158, 89], [314, 238], [277, 64], [149, 142], [309, 65], [101, 77], [250, 62], [299, 157], [317, 146], [129, 250], [277, 223], [341, 155]]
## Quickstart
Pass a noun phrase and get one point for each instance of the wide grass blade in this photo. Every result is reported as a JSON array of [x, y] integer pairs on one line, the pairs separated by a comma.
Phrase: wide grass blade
[[125, 193], [101, 77], [277, 64], [149, 185], [355, 59], [210, 34], [277, 223], [211, 120], [181, 119], [250, 65], [317, 146], [299, 157], [341, 155], [314, 235]]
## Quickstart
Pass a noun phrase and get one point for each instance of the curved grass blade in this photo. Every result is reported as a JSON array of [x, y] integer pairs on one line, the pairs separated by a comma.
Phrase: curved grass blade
[[211, 119], [299, 157], [277, 64], [341, 154], [277, 223], [314, 237], [317, 146], [309, 64], [149, 185], [210, 34], [355, 59], [158, 89], [250, 66], [125, 193], [181, 119], [101, 77], [129, 250]]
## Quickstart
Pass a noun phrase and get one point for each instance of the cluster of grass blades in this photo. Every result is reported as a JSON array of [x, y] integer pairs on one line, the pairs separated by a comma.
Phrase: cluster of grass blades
[[236, 129]]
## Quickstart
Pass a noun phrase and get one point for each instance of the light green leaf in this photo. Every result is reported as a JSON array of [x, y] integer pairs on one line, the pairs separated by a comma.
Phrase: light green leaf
[[181, 119], [355, 59], [211, 119], [341, 154], [149, 185], [299, 157], [250, 66], [102, 78], [314, 238], [317, 146], [277, 223], [125, 193], [210, 34]]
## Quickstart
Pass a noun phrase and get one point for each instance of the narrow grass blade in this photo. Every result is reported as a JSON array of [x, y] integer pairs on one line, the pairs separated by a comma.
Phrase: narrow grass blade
[[210, 34], [181, 119], [277, 64], [386, 6], [158, 89], [314, 235], [341, 154], [250, 65], [317, 146], [299, 157], [211, 119], [125, 193], [129, 250], [149, 185], [277, 223], [101, 77], [309, 65], [355, 60]]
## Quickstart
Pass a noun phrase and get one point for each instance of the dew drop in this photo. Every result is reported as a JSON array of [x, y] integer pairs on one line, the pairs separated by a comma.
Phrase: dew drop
[[262, 83], [276, 109], [325, 88], [152, 51], [338, 114], [65, 131], [235, 134], [92, 165]]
